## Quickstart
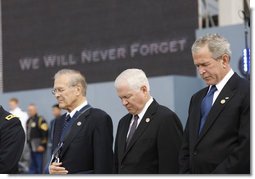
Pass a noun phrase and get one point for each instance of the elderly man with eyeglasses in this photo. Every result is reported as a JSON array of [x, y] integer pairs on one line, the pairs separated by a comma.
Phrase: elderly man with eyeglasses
[[83, 137]]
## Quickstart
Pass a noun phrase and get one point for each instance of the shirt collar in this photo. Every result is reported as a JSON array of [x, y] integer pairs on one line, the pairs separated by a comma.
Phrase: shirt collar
[[77, 108], [146, 106], [224, 81]]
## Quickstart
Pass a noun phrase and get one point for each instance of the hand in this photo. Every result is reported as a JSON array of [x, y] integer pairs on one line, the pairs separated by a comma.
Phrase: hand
[[55, 168], [40, 149]]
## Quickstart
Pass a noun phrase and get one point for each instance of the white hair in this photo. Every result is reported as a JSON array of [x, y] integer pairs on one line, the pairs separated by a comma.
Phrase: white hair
[[135, 78]]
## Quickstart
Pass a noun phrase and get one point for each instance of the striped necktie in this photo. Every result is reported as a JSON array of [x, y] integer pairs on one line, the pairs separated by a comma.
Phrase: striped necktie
[[132, 129], [66, 123]]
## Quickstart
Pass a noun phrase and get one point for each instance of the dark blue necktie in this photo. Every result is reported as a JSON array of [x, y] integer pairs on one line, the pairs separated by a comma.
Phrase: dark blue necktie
[[70, 120], [132, 129], [206, 106], [65, 125]]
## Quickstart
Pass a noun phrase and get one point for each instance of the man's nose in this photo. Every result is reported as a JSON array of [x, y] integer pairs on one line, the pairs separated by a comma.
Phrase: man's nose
[[124, 102], [201, 70]]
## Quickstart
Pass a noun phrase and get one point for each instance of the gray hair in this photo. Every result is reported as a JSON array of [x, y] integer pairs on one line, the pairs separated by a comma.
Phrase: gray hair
[[77, 78], [217, 45], [135, 78]]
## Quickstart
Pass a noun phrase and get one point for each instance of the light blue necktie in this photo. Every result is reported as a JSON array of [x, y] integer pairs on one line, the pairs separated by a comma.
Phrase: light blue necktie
[[206, 106]]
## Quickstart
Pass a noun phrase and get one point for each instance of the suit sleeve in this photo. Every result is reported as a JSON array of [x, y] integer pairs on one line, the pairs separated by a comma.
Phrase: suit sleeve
[[103, 140], [184, 155], [169, 143], [12, 143], [239, 160]]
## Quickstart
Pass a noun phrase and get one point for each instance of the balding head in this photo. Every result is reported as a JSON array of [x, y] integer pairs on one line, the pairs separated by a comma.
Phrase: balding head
[[69, 89]]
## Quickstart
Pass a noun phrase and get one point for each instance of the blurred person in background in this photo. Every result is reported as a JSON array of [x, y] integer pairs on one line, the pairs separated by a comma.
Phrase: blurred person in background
[[17, 111], [23, 117], [37, 135]]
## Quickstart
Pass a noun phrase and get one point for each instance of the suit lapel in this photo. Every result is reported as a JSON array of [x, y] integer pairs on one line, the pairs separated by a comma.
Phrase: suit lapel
[[222, 100], [56, 131], [75, 129], [123, 135], [143, 125], [197, 114]]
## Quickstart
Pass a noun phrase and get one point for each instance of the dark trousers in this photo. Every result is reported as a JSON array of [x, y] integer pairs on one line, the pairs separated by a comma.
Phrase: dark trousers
[[36, 165]]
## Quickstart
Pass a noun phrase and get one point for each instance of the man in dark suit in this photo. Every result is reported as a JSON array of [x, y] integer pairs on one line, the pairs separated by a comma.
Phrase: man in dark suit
[[82, 138], [149, 137], [217, 133], [12, 140]]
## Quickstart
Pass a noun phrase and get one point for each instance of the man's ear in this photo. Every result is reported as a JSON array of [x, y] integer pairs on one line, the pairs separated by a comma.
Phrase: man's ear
[[225, 60], [78, 89], [144, 89]]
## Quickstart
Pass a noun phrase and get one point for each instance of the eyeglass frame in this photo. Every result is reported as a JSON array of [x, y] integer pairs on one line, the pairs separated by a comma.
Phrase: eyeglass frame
[[54, 91]]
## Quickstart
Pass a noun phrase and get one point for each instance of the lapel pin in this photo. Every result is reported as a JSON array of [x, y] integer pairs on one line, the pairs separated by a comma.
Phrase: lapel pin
[[79, 123], [222, 101], [147, 120], [226, 97]]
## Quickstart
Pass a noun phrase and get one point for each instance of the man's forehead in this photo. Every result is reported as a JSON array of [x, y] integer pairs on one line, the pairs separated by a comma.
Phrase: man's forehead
[[62, 79], [125, 87], [202, 55], [123, 84]]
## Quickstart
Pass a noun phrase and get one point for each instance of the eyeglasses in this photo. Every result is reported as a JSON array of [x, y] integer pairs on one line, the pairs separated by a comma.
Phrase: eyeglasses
[[60, 90], [57, 90]]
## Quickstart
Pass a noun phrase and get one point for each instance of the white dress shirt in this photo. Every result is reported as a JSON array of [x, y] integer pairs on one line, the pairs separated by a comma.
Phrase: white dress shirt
[[77, 109], [221, 84], [141, 114]]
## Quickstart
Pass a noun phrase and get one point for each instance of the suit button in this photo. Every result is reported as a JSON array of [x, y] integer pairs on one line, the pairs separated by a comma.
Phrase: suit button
[[122, 166]]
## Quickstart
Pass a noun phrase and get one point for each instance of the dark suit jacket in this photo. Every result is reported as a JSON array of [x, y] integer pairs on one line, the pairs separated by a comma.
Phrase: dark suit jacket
[[224, 143], [12, 140], [88, 147], [155, 145]]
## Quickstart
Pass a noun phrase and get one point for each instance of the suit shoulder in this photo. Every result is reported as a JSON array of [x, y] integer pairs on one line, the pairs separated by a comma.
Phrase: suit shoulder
[[167, 113], [167, 116], [8, 118], [99, 113], [165, 110], [243, 84]]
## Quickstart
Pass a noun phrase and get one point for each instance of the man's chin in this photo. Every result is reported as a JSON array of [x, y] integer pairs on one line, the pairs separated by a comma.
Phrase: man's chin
[[62, 106], [209, 82], [130, 111]]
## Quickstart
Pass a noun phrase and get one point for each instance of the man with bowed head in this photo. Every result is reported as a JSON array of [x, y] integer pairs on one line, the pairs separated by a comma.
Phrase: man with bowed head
[[83, 137], [217, 133], [149, 137]]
